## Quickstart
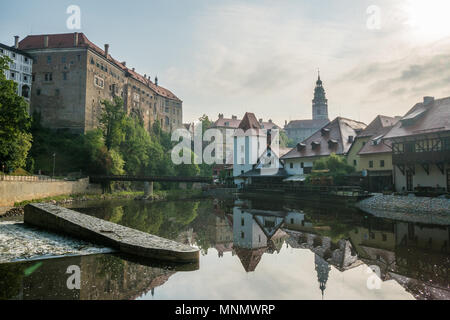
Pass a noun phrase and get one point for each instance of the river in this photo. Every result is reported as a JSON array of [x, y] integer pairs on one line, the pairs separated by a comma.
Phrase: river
[[250, 249]]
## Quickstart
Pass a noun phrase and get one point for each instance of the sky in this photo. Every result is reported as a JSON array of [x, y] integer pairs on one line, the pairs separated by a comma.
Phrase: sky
[[231, 57]]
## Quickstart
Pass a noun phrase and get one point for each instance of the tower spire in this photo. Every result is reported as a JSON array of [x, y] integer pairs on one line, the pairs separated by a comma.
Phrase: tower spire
[[320, 102]]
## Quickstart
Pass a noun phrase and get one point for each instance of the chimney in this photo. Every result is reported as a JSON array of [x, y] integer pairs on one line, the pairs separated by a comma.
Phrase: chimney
[[106, 50], [75, 39], [234, 117], [133, 69], [428, 100], [220, 116], [156, 81], [270, 121], [45, 41], [124, 63], [16, 42], [260, 121]]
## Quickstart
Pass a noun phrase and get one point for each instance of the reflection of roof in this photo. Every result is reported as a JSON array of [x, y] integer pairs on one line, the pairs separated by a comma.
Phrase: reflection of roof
[[275, 173], [67, 40], [250, 258], [339, 130], [422, 119]]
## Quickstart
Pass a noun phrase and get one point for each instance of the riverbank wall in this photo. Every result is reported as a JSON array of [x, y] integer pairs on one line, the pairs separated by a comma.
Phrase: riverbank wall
[[13, 191], [413, 209]]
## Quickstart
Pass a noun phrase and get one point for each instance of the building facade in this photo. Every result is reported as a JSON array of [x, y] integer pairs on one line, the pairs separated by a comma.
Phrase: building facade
[[20, 69], [299, 130], [71, 76], [337, 137], [421, 147]]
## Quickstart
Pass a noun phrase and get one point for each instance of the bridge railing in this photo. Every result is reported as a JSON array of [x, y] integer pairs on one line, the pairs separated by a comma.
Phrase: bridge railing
[[151, 179]]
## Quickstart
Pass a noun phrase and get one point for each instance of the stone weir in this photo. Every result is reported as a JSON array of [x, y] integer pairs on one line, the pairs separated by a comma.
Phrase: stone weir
[[126, 240]]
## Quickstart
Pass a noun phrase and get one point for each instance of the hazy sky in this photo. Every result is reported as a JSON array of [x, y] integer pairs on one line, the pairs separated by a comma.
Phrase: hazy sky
[[262, 56]]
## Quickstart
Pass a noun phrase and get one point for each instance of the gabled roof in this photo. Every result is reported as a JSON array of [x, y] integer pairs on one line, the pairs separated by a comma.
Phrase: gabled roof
[[249, 122], [378, 125], [333, 138], [424, 118], [67, 40]]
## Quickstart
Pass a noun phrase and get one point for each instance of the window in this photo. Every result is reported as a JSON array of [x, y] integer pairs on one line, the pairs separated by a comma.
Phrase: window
[[292, 165], [63, 60], [49, 59], [25, 59], [242, 222], [48, 77], [33, 77], [242, 235], [14, 55], [57, 92], [302, 165], [382, 163], [99, 82], [64, 76], [38, 92], [13, 75], [355, 163], [370, 164]]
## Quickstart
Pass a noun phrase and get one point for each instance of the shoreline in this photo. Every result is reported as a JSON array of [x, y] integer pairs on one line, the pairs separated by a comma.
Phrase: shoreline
[[158, 196]]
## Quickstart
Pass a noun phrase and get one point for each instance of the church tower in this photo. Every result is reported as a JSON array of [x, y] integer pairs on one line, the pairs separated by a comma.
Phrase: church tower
[[320, 102]]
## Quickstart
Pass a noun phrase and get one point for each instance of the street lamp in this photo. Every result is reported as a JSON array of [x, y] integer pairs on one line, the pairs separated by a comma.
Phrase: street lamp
[[54, 162]]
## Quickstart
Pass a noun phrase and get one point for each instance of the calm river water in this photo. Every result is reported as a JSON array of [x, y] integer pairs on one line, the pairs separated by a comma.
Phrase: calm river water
[[251, 249]]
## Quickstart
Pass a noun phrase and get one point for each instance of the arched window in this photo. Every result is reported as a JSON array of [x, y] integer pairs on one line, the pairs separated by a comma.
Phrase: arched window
[[167, 121], [26, 91]]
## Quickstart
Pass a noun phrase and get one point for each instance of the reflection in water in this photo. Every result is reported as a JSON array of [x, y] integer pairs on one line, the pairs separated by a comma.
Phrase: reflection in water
[[250, 250]]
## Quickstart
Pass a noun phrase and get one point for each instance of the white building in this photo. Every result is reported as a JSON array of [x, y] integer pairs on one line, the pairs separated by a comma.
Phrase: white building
[[20, 69]]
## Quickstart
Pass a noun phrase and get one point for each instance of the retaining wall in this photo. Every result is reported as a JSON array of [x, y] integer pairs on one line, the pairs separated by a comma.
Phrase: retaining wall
[[18, 191]]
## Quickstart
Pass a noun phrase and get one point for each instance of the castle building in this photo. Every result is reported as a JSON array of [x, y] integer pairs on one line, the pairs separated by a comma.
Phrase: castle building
[[299, 130], [71, 76], [20, 69]]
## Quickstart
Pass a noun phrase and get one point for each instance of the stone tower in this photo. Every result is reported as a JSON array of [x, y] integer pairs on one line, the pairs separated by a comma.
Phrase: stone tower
[[320, 102]]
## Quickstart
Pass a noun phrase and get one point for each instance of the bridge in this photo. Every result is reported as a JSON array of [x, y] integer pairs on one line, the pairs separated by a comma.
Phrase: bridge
[[149, 180]]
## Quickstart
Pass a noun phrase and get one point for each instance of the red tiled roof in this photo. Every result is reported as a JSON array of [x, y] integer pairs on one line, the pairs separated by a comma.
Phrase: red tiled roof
[[249, 122], [67, 40], [335, 140], [430, 118], [232, 123]]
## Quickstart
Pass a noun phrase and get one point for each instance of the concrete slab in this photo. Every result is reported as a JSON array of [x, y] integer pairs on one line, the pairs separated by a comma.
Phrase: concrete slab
[[126, 240]]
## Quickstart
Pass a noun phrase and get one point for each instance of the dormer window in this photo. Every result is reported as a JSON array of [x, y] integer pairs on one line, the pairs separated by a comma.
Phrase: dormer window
[[332, 143], [351, 139], [301, 147], [325, 131], [315, 145]]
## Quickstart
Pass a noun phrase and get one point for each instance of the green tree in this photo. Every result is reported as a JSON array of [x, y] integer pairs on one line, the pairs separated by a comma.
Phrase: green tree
[[206, 123], [112, 122], [15, 123]]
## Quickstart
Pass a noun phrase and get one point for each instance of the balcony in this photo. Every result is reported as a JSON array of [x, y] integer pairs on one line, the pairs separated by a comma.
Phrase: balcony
[[421, 157]]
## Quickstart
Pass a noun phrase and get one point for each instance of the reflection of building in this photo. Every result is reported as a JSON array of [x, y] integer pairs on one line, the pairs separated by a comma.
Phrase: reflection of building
[[256, 232], [20, 69], [323, 270], [103, 277]]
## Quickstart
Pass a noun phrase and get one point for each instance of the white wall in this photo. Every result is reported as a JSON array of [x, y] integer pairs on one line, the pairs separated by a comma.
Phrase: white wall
[[254, 237], [421, 177], [297, 170]]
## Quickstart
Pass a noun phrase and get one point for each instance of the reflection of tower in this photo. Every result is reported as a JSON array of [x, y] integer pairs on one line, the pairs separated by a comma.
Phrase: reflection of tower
[[323, 270]]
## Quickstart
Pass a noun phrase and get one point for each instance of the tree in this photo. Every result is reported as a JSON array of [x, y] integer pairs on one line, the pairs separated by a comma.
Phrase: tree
[[112, 121], [337, 168], [15, 139], [206, 123]]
